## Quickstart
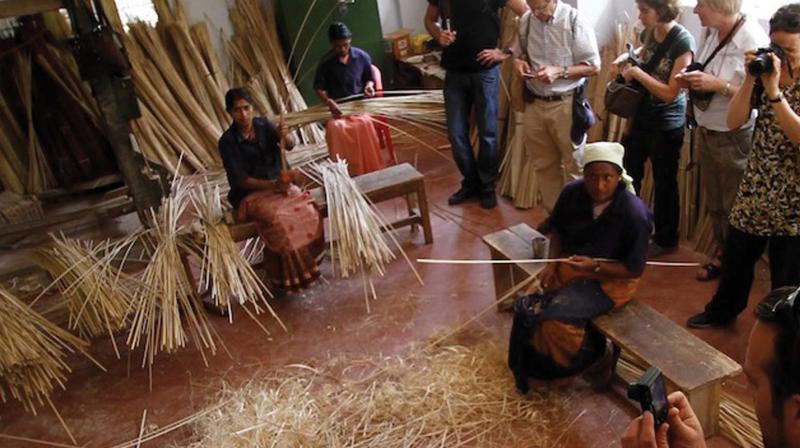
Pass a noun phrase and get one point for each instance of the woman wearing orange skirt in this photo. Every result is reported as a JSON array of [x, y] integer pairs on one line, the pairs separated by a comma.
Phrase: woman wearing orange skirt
[[287, 218]]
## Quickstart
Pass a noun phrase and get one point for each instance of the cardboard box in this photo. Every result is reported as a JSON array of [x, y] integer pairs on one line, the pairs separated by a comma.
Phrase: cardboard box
[[400, 43]]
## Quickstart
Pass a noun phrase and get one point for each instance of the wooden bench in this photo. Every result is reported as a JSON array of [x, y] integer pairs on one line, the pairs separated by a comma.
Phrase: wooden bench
[[688, 363], [389, 183]]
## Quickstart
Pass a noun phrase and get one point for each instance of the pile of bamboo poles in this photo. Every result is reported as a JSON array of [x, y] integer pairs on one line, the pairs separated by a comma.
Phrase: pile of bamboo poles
[[181, 83], [32, 359], [158, 310], [98, 294], [225, 270]]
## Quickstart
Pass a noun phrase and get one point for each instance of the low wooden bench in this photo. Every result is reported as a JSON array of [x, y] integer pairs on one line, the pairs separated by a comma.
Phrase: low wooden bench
[[389, 183], [688, 363]]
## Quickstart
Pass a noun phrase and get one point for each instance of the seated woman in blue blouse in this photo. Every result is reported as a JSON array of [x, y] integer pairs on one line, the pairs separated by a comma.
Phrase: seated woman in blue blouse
[[602, 228]]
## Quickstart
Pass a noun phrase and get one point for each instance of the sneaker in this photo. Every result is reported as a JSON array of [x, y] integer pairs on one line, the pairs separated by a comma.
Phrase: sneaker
[[461, 195], [488, 200], [706, 320]]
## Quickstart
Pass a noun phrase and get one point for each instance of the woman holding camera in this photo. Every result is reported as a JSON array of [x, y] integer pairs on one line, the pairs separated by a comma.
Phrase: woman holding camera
[[718, 72], [657, 129], [767, 207]]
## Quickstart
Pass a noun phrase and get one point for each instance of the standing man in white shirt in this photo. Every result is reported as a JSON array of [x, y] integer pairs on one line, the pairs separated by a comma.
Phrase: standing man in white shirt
[[722, 151], [556, 51]]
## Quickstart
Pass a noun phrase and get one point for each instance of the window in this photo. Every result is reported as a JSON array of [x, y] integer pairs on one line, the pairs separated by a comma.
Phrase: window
[[137, 10]]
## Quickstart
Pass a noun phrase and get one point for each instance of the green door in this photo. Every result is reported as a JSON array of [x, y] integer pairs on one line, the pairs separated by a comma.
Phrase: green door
[[361, 16]]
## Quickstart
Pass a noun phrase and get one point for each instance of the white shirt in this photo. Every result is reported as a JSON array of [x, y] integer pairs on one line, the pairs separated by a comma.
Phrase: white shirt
[[556, 43], [727, 65]]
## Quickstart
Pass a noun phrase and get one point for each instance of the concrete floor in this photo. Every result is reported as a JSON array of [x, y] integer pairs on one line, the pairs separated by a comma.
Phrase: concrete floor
[[329, 320]]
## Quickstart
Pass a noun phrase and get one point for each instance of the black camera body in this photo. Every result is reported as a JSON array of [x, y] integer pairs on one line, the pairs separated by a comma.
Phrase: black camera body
[[763, 62], [651, 394]]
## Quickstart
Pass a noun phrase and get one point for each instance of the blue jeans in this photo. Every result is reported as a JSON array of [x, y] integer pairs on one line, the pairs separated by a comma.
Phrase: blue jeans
[[462, 92]]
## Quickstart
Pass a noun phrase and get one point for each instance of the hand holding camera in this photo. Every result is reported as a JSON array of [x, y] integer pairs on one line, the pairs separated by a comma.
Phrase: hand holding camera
[[765, 63], [665, 421]]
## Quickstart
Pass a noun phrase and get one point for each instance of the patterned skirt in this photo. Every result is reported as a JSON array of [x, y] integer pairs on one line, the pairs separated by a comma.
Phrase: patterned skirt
[[290, 226]]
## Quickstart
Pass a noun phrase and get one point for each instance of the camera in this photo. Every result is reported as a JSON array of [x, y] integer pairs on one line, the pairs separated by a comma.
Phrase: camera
[[763, 62], [651, 394]]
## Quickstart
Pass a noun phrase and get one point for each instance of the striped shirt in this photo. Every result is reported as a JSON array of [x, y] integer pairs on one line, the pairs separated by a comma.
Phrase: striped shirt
[[564, 40]]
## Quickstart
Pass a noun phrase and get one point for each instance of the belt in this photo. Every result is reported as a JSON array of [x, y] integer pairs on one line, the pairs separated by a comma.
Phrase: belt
[[553, 98]]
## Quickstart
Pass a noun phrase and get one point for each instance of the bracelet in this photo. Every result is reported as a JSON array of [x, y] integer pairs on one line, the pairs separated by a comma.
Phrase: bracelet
[[597, 267], [508, 51], [565, 73]]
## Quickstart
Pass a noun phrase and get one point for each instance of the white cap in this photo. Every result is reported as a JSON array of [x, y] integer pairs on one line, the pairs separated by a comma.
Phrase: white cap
[[608, 152]]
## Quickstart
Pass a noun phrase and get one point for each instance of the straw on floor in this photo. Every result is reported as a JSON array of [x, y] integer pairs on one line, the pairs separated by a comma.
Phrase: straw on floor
[[450, 396]]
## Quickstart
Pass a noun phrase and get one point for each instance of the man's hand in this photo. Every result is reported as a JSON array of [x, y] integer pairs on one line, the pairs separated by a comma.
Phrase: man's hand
[[548, 74], [682, 429], [641, 433], [523, 68], [490, 56], [685, 429], [283, 182], [334, 108], [446, 38], [369, 90], [700, 81]]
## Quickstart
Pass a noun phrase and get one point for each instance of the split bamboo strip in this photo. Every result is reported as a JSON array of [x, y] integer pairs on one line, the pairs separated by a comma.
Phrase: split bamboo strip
[[224, 269], [32, 360]]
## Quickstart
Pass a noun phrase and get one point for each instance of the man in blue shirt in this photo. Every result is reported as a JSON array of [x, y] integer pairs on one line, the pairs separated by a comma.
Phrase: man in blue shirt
[[346, 71]]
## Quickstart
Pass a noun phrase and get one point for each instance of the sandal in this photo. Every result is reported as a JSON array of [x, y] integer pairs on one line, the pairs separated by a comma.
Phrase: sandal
[[709, 272]]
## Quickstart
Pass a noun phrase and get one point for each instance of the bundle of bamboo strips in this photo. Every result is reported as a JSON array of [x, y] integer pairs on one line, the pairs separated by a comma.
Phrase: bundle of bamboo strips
[[225, 270], [355, 228], [32, 359], [157, 310], [98, 294]]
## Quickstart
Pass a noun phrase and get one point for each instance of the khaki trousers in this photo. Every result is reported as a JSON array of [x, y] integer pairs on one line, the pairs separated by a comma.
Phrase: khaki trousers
[[549, 146]]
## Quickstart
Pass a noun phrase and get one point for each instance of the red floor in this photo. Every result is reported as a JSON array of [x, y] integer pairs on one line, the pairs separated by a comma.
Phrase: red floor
[[104, 409]]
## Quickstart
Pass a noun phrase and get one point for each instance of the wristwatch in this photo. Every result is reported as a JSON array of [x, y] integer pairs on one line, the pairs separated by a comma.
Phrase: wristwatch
[[565, 73], [777, 99], [508, 51], [727, 90]]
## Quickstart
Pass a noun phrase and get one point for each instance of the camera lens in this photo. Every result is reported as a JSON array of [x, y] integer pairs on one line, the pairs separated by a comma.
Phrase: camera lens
[[760, 65]]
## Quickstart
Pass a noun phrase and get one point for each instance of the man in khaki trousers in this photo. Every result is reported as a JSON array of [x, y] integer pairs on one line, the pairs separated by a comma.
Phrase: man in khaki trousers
[[557, 50]]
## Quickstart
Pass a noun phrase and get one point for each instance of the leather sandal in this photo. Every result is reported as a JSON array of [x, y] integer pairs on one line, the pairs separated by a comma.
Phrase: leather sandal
[[709, 272]]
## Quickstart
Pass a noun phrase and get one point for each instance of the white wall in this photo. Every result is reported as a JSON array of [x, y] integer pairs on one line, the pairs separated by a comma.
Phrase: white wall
[[397, 14], [215, 14]]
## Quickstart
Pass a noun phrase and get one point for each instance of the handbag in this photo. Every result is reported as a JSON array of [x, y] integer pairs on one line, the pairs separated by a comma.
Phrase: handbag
[[583, 117], [623, 98]]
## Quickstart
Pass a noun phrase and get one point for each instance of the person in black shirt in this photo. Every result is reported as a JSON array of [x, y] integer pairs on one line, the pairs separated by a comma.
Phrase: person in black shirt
[[288, 220], [469, 33]]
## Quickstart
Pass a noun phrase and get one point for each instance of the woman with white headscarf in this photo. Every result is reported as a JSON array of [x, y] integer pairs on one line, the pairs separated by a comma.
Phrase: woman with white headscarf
[[603, 228]]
